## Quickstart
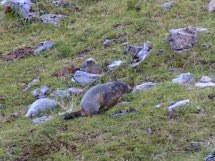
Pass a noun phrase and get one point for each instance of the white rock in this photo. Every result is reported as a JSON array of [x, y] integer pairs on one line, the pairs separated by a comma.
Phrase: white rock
[[43, 46], [84, 78], [143, 86], [178, 104], [41, 105], [184, 78], [41, 120], [206, 79], [205, 85], [211, 6], [115, 64]]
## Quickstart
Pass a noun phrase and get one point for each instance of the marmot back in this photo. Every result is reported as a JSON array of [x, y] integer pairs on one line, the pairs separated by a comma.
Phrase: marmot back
[[100, 96]]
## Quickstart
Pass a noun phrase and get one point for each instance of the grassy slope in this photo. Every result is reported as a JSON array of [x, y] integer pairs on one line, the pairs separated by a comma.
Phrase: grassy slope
[[104, 137]]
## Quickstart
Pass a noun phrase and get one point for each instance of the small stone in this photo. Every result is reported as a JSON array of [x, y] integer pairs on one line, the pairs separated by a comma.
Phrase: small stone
[[206, 46], [63, 113], [205, 85], [31, 84], [211, 156], [59, 3], [107, 42], [139, 52], [115, 64], [53, 19], [195, 145], [90, 66], [41, 105], [158, 105], [184, 78], [206, 79], [41, 92], [119, 113], [65, 93], [160, 52], [167, 5], [143, 86], [183, 38], [200, 110], [43, 46], [41, 120], [16, 114], [149, 131], [177, 105], [84, 78]]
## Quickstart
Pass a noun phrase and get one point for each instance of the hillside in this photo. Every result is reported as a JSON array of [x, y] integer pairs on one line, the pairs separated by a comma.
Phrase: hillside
[[101, 29]]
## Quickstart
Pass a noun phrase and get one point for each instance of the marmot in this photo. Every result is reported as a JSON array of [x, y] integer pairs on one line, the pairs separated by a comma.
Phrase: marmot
[[98, 97]]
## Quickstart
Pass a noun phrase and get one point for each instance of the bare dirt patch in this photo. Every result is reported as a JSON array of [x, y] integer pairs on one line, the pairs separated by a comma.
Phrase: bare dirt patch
[[18, 53], [69, 70]]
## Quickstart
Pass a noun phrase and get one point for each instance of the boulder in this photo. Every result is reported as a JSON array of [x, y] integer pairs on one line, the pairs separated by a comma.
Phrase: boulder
[[184, 78], [183, 38], [115, 64], [143, 86], [84, 78], [41, 120], [41, 92], [90, 66], [178, 104], [43, 46], [41, 105], [23, 8], [65, 93], [53, 19], [211, 6]]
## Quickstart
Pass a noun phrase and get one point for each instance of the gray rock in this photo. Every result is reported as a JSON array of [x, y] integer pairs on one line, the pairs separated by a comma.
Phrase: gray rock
[[59, 3], [41, 105], [211, 6], [90, 66], [158, 105], [206, 46], [43, 46], [149, 131], [31, 84], [184, 78], [139, 52], [107, 42], [177, 105], [211, 156], [16, 114], [197, 145], [206, 79], [115, 64], [143, 86], [41, 92], [84, 78], [41, 120], [205, 82], [183, 38], [53, 19], [167, 5], [23, 8], [65, 93]]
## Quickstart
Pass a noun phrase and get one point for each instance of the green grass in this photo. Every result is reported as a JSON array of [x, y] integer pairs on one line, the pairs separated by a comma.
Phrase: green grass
[[105, 137]]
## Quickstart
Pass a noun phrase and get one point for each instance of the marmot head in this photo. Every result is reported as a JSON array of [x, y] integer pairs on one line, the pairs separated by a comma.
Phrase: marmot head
[[122, 87]]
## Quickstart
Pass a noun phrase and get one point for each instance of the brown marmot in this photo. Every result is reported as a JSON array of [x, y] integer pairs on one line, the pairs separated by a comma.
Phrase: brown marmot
[[98, 97]]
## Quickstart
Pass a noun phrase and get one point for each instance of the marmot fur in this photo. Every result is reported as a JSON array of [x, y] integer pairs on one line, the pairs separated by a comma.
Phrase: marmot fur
[[98, 97]]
